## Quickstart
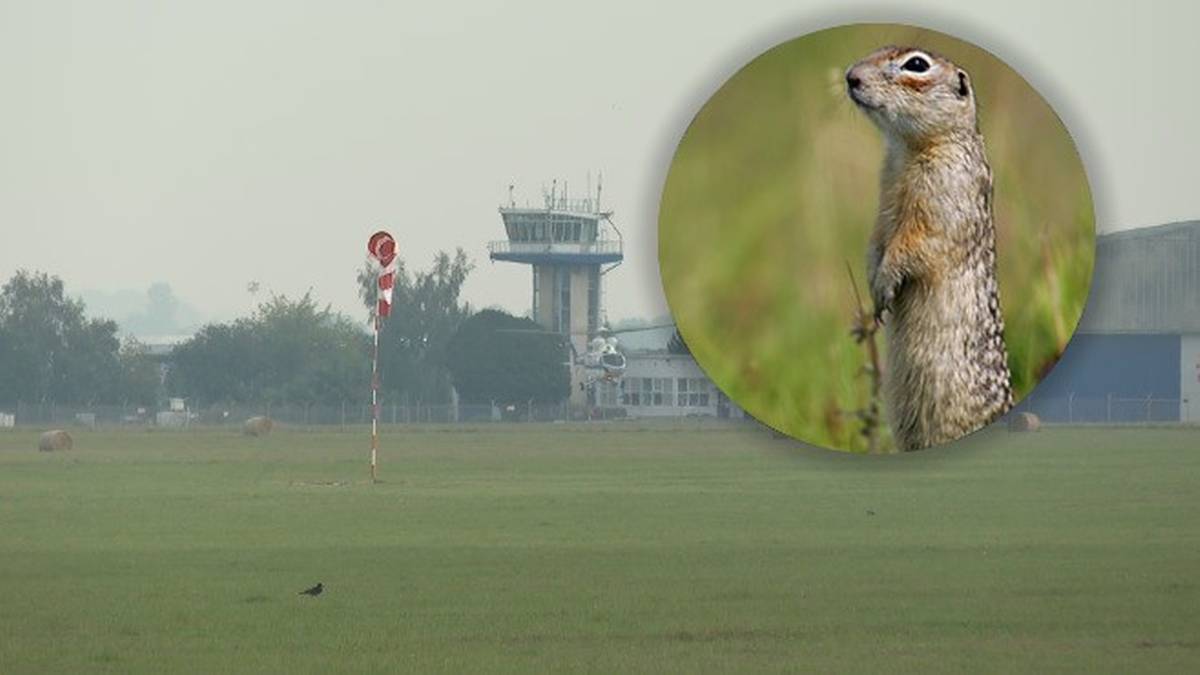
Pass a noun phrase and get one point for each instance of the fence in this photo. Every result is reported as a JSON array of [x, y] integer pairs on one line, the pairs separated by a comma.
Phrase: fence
[[289, 414], [1062, 410], [1110, 409]]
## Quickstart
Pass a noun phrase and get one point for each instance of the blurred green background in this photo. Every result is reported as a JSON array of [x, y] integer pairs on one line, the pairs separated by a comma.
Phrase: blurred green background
[[774, 188]]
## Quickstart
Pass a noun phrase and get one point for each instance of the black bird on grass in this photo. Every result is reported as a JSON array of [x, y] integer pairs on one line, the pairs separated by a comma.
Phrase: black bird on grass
[[314, 591]]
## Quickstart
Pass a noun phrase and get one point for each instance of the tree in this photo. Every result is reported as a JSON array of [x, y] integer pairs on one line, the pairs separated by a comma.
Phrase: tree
[[287, 351], [500, 358], [50, 351], [140, 375], [426, 312], [309, 353], [33, 316], [216, 364]]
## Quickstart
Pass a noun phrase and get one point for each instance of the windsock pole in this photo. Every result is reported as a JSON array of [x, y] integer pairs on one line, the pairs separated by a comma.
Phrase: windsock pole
[[375, 405], [382, 248]]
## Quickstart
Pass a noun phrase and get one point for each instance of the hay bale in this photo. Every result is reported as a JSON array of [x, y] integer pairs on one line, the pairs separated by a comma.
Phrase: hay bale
[[55, 439], [1024, 421], [258, 426]]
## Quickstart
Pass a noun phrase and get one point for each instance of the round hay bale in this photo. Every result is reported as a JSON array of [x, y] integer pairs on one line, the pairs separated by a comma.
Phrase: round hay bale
[[258, 426], [55, 439], [1024, 421]]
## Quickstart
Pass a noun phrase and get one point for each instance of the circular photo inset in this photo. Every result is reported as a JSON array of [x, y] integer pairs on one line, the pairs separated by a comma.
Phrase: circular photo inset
[[876, 238]]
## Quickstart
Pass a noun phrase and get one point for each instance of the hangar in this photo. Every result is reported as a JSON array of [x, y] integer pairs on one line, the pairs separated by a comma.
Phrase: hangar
[[1136, 354]]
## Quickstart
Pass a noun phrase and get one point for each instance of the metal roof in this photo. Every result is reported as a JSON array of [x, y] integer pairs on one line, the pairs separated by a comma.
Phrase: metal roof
[[1146, 280]]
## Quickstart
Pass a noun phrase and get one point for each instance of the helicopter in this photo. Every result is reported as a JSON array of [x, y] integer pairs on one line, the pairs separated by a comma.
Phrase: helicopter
[[603, 360]]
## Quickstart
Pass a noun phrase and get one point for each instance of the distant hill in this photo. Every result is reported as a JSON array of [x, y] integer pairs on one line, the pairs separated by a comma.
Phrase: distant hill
[[155, 311]]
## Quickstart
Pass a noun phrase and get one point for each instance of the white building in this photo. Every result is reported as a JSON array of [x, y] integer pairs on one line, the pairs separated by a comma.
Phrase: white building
[[662, 384]]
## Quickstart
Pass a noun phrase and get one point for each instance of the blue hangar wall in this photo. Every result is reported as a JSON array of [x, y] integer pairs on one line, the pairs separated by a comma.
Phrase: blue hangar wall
[[1120, 378]]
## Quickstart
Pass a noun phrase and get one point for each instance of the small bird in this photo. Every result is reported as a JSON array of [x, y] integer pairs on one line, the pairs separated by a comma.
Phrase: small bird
[[869, 513], [314, 591]]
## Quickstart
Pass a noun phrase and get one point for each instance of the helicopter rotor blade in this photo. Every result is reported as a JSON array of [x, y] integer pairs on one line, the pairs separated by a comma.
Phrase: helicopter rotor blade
[[542, 331], [618, 331]]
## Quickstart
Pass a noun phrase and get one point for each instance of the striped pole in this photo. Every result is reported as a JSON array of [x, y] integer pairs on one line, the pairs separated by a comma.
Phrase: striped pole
[[382, 248], [375, 405]]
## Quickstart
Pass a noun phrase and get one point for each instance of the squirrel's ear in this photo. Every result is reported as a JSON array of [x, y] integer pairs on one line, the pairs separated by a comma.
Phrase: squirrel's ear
[[963, 90]]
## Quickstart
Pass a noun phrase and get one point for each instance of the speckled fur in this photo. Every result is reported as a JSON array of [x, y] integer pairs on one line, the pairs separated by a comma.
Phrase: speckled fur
[[932, 256]]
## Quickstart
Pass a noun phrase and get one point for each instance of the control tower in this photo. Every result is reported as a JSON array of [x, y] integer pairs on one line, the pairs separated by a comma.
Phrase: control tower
[[566, 242]]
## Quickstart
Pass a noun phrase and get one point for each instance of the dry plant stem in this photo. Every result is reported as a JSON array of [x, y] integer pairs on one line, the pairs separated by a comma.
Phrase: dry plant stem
[[865, 328]]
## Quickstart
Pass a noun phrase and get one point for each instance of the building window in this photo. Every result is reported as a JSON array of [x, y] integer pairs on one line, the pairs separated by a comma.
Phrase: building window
[[593, 291], [661, 391], [563, 278], [631, 391], [648, 391], [693, 392], [537, 275], [607, 392]]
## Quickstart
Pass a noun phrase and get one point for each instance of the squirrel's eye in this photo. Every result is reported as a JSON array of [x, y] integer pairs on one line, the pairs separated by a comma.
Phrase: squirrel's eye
[[916, 64]]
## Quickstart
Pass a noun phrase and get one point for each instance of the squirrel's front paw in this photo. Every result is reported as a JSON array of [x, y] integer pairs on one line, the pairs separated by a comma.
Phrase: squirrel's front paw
[[883, 293]]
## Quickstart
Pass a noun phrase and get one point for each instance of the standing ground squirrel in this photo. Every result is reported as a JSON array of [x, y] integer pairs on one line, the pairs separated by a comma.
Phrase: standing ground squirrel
[[932, 257]]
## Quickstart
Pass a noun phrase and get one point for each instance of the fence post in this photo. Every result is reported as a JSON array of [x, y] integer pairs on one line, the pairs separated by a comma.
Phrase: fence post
[[1070, 407], [343, 414], [1108, 414]]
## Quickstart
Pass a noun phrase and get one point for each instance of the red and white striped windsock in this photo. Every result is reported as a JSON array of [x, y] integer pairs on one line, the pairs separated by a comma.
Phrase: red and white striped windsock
[[382, 248]]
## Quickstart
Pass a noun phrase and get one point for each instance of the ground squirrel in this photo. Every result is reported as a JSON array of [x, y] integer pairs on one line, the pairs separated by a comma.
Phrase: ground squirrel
[[932, 256]]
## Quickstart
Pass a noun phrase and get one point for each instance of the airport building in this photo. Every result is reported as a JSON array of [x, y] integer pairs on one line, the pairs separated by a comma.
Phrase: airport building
[[569, 245], [1136, 355], [664, 384]]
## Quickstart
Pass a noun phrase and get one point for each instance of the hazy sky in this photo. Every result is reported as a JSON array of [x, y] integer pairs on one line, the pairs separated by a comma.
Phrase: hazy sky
[[208, 144]]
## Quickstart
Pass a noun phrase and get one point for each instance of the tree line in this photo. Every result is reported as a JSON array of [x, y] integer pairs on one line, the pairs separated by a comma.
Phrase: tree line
[[50, 352], [287, 351]]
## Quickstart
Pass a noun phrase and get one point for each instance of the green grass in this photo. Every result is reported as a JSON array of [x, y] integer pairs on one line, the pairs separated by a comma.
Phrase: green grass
[[521, 549], [774, 189]]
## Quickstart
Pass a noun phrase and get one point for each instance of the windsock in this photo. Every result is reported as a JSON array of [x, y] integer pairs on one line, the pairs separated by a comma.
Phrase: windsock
[[382, 248]]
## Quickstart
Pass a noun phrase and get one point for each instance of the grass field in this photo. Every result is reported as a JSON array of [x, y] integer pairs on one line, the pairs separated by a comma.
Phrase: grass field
[[551, 548]]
